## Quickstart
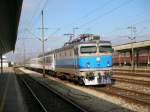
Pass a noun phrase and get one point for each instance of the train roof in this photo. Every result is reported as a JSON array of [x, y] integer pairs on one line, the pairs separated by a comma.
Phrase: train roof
[[82, 39], [75, 44]]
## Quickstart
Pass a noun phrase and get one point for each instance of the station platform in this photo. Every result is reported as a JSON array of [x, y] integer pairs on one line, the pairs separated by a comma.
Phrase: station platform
[[10, 96]]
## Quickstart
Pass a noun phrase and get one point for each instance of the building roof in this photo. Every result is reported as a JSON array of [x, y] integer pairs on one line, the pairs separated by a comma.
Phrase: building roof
[[127, 46]]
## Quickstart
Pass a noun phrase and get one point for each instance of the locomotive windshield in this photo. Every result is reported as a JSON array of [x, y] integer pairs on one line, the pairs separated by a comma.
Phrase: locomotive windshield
[[88, 49], [105, 49]]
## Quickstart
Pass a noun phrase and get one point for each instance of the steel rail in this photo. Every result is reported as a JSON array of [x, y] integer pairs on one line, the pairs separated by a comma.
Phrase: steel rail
[[45, 85], [34, 95], [123, 95], [131, 73], [132, 81]]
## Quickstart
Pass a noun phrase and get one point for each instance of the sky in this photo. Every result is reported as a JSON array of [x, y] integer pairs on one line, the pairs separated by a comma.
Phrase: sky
[[108, 18]]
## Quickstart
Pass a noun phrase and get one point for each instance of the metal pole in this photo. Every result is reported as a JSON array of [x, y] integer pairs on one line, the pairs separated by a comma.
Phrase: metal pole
[[43, 45], [73, 33], [24, 53], [132, 55], [132, 48], [75, 28]]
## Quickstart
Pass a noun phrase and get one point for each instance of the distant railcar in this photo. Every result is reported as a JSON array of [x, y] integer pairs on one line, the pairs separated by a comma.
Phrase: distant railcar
[[141, 58]]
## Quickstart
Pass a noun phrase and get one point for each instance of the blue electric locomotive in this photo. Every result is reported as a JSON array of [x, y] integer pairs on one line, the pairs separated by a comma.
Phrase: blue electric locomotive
[[86, 59]]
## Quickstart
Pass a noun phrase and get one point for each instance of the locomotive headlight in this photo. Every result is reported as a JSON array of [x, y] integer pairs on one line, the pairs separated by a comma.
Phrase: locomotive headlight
[[88, 64], [98, 59], [108, 63]]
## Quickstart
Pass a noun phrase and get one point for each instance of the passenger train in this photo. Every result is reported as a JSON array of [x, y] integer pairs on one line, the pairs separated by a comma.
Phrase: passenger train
[[87, 60]]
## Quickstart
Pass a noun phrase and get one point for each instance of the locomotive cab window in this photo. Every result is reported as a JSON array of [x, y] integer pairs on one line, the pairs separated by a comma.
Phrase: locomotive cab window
[[105, 49], [88, 49]]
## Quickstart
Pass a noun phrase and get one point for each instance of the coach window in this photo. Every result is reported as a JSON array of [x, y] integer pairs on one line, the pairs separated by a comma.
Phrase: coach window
[[65, 53], [50, 59], [45, 59]]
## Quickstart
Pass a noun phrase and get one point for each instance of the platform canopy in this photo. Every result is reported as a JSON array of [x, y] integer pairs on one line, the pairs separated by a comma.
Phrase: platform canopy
[[10, 11]]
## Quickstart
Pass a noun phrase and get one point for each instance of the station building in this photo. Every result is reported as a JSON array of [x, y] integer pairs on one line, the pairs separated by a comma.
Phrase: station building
[[135, 54]]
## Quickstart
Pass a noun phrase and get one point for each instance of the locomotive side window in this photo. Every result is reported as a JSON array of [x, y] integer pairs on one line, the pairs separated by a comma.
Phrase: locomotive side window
[[88, 49], [105, 49], [70, 53], [65, 54], [76, 51]]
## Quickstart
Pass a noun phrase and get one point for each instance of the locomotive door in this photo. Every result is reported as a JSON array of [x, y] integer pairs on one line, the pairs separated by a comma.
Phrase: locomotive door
[[76, 60]]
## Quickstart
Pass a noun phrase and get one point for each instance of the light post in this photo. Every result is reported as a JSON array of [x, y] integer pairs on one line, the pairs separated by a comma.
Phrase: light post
[[132, 38], [43, 44]]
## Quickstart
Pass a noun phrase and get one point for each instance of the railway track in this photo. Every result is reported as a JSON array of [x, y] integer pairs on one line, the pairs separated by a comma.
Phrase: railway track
[[138, 71], [132, 81], [47, 99], [131, 74], [129, 95]]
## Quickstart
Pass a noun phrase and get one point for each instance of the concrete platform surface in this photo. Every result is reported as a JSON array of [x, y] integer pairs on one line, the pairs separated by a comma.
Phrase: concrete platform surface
[[10, 95]]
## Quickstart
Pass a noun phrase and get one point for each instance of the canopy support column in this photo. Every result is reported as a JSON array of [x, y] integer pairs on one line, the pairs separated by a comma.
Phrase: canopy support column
[[1, 57]]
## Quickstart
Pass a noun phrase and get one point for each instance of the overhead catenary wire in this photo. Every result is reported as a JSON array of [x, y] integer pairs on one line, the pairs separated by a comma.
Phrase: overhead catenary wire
[[30, 23], [106, 13], [96, 9], [89, 13], [39, 12], [35, 16], [132, 21], [140, 22], [25, 23]]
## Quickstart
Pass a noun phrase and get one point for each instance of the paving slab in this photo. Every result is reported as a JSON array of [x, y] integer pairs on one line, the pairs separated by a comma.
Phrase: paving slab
[[10, 95]]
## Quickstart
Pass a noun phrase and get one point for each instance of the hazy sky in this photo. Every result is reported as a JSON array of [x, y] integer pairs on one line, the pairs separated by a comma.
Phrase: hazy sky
[[107, 18]]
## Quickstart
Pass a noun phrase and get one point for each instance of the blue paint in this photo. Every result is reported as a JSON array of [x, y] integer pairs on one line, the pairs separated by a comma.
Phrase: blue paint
[[86, 62], [65, 63], [94, 62]]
